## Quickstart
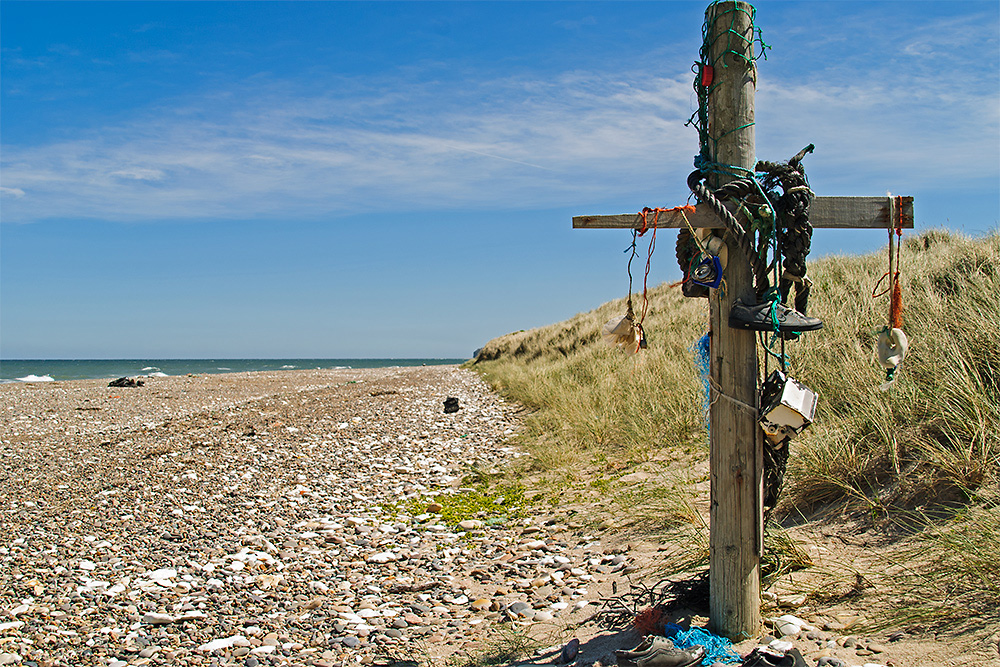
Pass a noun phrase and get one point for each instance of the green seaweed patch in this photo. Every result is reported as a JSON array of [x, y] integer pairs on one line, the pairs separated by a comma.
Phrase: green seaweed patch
[[491, 505]]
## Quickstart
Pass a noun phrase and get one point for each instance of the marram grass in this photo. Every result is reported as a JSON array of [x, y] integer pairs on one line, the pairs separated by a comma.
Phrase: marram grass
[[935, 435], [931, 440]]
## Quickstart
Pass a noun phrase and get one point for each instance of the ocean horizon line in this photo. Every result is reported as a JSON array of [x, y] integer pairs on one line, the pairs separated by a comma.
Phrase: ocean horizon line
[[53, 370]]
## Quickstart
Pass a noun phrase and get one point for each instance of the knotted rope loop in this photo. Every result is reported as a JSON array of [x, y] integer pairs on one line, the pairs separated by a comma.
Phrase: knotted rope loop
[[740, 188]]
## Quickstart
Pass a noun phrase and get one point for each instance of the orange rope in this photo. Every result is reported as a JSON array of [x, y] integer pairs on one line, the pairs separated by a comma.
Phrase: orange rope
[[896, 298], [644, 214], [896, 303]]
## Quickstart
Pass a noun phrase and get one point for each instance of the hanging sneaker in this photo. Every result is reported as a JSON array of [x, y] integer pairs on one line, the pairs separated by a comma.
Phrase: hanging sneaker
[[758, 318]]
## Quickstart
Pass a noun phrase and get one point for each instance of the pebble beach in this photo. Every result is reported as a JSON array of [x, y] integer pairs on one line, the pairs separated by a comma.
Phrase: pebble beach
[[254, 519]]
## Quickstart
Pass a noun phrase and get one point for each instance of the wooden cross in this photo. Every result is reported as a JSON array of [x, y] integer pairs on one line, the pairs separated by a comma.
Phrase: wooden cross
[[736, 439]]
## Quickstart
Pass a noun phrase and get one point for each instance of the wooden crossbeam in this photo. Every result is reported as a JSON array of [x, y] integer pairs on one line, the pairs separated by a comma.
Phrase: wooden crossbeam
[[824, 212]]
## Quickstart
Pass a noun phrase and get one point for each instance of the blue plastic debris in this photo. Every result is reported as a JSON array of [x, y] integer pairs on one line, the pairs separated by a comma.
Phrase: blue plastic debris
[[717, 649]]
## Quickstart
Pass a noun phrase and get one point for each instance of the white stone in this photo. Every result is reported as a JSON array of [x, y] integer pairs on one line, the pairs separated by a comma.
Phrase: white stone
[[382, 557], [221, 643], [163, 573], [13, 625], [353, 619], [781, 646]]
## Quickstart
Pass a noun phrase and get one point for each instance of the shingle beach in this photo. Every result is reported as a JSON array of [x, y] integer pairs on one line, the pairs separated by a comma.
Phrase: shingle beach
[[245, 519]]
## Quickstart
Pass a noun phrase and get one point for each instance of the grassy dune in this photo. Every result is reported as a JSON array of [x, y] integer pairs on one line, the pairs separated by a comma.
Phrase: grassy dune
[[603, 424]]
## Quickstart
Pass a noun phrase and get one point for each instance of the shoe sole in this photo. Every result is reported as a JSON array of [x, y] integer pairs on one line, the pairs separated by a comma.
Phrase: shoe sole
[[781, 329]]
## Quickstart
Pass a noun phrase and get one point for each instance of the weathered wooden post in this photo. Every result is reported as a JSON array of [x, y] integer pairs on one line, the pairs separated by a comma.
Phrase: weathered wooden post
[[736, 440], [735, 445]]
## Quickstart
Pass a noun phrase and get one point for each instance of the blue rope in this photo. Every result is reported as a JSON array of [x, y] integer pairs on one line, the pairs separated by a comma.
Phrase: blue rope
[[717, 649], [701, 349]]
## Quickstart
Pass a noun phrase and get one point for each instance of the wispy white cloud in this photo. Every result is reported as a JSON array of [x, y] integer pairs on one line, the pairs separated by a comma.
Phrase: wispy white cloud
[[15, 193], [139, 174], [277, 148]]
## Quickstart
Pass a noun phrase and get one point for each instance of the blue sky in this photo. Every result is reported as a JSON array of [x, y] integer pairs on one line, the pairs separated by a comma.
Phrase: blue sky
[[372, 179]]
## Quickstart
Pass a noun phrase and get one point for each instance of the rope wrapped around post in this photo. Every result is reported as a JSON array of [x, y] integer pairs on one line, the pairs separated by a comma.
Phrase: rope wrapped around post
[[738, 188]]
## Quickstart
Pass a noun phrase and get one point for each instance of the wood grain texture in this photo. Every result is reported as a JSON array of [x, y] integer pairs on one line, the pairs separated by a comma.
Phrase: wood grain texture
[[735, 451], [824, 213]]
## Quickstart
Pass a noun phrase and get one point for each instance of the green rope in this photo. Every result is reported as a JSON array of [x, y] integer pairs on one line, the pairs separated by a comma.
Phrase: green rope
[[708, 144]]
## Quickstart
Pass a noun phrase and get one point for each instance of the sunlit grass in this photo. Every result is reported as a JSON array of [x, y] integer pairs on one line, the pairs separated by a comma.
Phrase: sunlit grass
[[932, 439]]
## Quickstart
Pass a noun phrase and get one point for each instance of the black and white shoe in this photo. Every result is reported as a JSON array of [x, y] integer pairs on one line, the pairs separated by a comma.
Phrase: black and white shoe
[[757, 317]]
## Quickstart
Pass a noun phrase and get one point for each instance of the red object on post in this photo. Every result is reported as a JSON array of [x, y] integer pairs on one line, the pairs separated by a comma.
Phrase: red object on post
[[707, 74]]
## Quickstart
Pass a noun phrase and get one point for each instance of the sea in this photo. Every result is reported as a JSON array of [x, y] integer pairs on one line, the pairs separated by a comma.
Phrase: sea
[[52, 370]]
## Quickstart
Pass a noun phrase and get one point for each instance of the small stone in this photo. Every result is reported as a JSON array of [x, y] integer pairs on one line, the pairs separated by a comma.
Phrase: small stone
[[154, 618], [351, 641], [383, 557], [570, 651], [482, 604], [543, 616], [470, 524], [829, 661], [781, 646], [434, 508], [518, 607], [876, 648]]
